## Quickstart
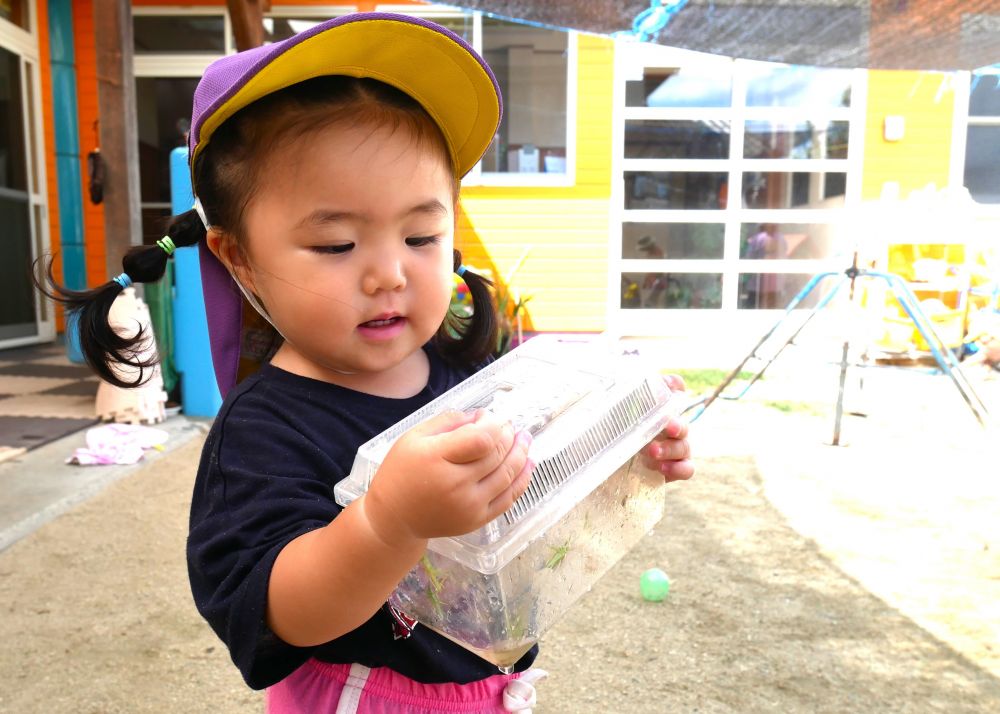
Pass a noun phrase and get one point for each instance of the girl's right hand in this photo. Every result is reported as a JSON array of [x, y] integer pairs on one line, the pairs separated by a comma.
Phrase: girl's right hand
[[448, 476]]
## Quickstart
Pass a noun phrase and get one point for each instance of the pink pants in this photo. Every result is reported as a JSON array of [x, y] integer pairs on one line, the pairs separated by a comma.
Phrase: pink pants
[[321, 688]]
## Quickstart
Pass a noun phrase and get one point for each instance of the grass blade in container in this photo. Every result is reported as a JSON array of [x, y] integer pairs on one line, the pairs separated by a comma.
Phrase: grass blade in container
[[591, 410]]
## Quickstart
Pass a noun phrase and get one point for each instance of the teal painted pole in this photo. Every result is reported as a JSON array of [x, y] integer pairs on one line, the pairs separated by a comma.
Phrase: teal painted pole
[[68, 178], [192, 351]]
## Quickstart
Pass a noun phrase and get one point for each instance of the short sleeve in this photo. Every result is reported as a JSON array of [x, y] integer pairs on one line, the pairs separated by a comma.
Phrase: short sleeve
[[261, 484]]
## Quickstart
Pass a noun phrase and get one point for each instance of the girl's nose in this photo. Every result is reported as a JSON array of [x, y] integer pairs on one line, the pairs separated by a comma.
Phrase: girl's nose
[[386, 273]]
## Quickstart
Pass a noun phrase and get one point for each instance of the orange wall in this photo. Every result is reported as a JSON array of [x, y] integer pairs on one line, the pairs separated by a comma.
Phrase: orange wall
[[87, 115]]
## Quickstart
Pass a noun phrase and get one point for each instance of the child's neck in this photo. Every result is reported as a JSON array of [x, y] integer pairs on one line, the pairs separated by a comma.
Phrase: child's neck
[[402, 381]]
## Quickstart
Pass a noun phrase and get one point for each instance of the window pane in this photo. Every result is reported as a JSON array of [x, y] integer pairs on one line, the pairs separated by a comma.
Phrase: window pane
[[677, 139], [163, 107], [793, 190], [766, 139], [13, 161], [672, 240], [15, 11], [770, 85], [982, 163], [772, 291], [277, 29], [687, 87], [281, 28], [675, 189], [984, 98], [786, 241], [17, 306], [530, 66], [659, 291], [178, 34], [32, 138]]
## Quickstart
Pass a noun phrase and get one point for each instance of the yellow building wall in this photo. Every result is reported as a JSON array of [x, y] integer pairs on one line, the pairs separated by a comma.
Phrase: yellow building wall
[[926, 101], [561, 233]]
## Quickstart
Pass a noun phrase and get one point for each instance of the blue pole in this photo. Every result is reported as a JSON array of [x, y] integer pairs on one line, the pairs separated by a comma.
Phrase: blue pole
[[67, 145], [192, 352]]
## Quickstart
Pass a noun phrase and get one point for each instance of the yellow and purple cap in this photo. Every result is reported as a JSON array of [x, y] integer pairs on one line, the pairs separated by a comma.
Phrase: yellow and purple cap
[[426, 61]]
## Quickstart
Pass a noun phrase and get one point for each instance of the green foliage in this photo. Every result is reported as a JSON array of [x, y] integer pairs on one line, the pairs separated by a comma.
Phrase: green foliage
[[699, 381], [795, 407], [508, 309]]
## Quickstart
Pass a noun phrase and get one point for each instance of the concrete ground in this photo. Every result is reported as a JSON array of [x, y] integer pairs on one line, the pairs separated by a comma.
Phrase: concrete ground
[[806, 577]]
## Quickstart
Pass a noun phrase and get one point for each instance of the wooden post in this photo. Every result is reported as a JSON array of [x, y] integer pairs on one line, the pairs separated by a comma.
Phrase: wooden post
[[119, 134], [247, 19]]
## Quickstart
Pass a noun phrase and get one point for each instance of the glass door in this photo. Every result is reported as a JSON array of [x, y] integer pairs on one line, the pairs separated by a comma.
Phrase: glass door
[[18, 316]]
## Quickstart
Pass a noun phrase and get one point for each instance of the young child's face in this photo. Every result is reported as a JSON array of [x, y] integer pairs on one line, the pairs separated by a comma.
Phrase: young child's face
[[349, 239]]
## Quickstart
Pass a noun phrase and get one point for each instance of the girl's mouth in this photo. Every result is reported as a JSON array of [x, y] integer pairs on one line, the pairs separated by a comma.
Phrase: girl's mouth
[[382, 328], [381, 323]]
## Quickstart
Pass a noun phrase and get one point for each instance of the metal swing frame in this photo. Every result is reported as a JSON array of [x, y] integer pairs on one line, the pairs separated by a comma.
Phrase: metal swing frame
[[943, 355]]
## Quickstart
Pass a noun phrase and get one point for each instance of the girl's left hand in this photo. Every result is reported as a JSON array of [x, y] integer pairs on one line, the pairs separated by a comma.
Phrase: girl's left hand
[[669, 452]]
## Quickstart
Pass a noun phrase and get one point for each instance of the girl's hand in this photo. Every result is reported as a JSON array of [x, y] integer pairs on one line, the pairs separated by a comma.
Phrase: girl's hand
[[448, 476], [669, 452]]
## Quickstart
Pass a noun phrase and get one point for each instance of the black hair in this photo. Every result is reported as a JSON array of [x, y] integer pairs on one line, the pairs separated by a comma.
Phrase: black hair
[[104, 347], [226, 173], [470, 339]]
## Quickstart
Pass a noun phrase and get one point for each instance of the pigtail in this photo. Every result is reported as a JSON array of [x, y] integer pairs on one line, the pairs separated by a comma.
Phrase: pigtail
[[471, 340], [103, 347]]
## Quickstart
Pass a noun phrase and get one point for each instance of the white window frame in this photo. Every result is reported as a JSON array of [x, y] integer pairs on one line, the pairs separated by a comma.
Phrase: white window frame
[[24, 44], [963, 120], [194, 65], [180, 65], [478, 177], [629, 59]]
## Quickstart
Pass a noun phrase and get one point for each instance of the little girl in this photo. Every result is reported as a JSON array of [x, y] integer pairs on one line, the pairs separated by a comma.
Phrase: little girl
[[326, 169]]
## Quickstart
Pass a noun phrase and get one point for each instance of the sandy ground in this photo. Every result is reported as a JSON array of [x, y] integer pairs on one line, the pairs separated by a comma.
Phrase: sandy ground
[[806, 578]]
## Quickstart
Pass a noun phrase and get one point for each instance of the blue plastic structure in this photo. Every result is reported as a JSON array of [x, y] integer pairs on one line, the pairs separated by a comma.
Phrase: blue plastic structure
[[193, 357]]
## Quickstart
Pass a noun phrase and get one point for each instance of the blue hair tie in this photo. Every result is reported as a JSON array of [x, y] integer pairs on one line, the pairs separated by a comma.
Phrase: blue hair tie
[[461, 271], [124, 280]]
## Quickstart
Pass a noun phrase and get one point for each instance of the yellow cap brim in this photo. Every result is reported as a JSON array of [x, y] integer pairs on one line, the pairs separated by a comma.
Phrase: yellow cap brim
[[436, 69]]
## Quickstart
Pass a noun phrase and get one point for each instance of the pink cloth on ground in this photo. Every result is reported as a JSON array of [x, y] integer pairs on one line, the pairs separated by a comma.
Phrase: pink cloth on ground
[[316, 687]]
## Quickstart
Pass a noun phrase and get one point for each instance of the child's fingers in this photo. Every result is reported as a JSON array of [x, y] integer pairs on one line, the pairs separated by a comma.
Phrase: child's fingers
[[677, 470], [666, 450], [502, 502], [488, 440], [674, 429], [446, 421], [675, 383], [506, 472]]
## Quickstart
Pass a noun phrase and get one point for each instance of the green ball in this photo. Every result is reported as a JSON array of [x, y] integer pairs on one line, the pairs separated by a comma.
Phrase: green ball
[[655, 585]]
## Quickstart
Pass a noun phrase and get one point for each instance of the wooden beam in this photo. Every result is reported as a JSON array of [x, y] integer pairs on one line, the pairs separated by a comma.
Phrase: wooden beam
[[119, 134], [247, 19]]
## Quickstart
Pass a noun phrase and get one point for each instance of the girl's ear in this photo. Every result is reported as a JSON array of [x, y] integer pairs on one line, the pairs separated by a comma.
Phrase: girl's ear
[[224, 247]]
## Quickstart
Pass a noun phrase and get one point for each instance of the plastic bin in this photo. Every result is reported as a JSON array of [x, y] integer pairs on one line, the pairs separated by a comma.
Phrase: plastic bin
[[497, 590]]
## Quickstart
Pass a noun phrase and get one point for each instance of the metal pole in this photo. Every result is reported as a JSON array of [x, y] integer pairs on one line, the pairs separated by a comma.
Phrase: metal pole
[[852, 273]]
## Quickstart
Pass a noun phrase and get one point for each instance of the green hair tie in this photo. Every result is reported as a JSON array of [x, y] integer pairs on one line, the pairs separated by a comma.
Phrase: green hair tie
[[167, 244]]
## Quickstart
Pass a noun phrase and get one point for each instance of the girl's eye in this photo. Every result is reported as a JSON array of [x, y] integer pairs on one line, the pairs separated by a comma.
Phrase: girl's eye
[[333, 249], [419, 241]]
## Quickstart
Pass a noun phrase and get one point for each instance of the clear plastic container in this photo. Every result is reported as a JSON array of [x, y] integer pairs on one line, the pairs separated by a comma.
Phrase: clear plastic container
[[497, 590]]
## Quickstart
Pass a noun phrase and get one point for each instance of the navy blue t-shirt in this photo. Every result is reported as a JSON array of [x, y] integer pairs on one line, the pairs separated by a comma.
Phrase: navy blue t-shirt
[[275, 451]]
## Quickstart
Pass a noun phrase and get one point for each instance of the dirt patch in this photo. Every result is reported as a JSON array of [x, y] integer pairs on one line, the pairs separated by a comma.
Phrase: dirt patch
[[762, 616]]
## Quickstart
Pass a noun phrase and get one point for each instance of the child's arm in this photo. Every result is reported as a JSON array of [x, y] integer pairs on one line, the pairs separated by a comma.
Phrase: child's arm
[[447, 476]]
